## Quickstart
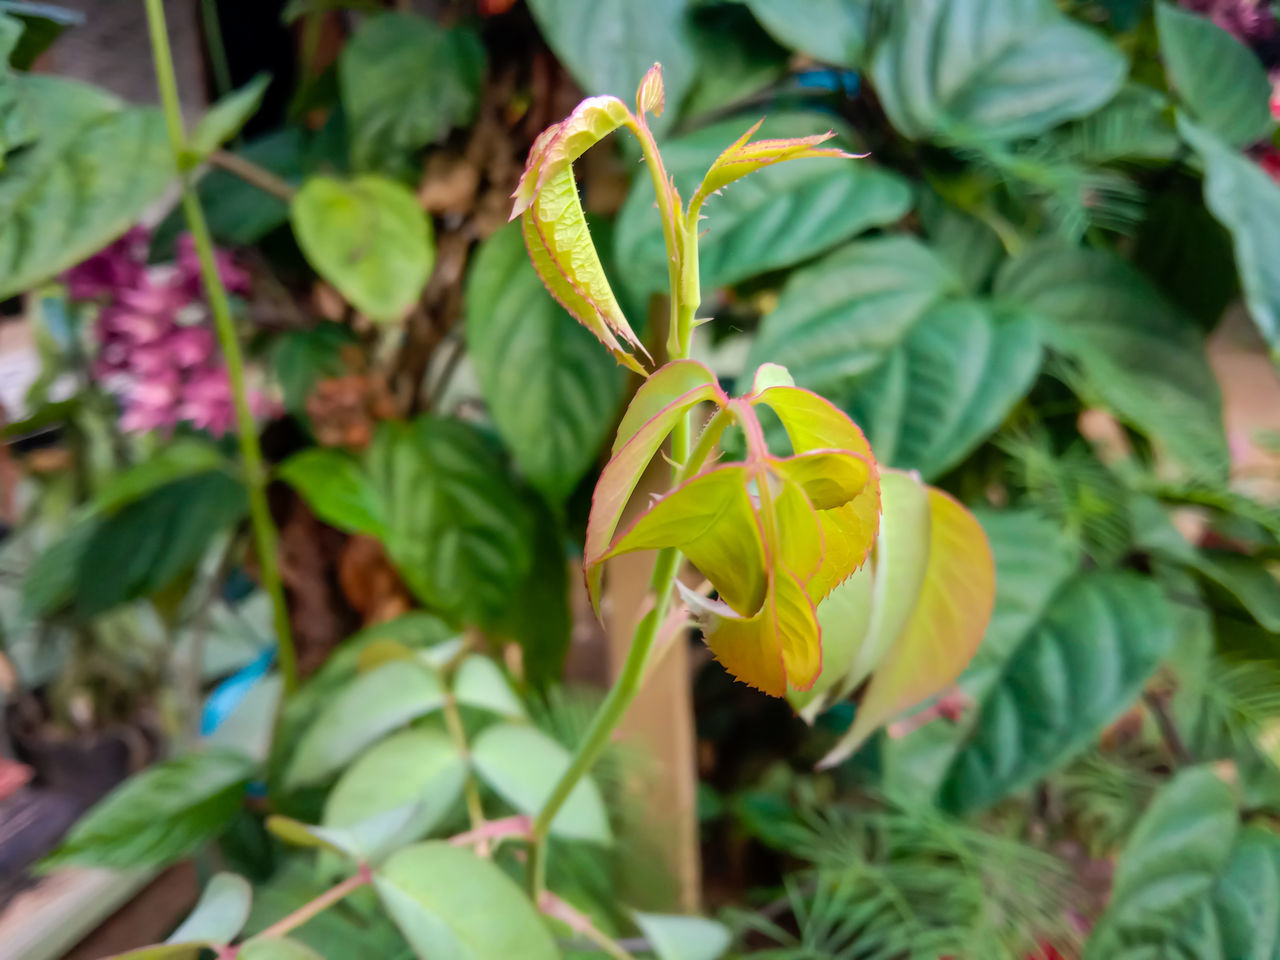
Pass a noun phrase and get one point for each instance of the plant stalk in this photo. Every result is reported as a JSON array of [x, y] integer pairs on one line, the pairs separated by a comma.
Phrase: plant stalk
[[264, 531], [327, 899]]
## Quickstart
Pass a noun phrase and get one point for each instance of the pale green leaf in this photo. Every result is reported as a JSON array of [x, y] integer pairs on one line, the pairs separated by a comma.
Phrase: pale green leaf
[[452, 905], [522, 765], [479, 683], [683, 938], [990, 69], [369, 238], [555, 415], [1221, 81], [370, 706], [775, 218], [225, 118], [276, 948], [220, 914], [947, 386]]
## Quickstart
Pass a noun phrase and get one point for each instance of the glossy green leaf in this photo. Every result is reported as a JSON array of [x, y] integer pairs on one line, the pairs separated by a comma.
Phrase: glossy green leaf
[[372, 705], [833, 31], [1241, 918], [1168, 868], [337, 490], [50, 582], [227, 117], [92, 167], [609, 45], [149, 543], [1077, 670], [459, 532], [480, 683], [683, 938], [1246, 201], [220, 914], [406, 81], [419, 767], [1249, 579], [450, 903], [369, 238], [522, 765], [1221, 81], [166, 812], [183, 457], [947, 386], [990, 69], [842, 316], [555, 415], [778, 217], [1136, 352], [276, 948], [737, 59]]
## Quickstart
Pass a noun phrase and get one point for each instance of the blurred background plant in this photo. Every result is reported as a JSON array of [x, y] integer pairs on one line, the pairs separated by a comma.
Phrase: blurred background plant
[[1050, 290]]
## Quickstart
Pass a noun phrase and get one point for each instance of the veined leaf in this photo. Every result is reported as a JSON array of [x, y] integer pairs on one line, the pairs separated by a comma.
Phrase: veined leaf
[[745, 156], [933, 591], [782, 215], [990, 69], [1074, 673], [834, 31], [1222, 82], [1170, 865], [562, 143], [554, 416], [337, 490]]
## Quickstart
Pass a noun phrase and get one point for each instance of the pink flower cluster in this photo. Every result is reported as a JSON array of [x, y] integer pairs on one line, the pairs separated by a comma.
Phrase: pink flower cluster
[[156, 348], [1249, 20]]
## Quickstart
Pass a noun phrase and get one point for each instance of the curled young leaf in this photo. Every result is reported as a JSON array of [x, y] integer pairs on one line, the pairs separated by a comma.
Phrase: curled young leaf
[[743, 157], [651, 97], [555, 227]]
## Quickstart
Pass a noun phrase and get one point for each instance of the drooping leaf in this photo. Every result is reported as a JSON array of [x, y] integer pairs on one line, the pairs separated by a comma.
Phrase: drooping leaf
[[1246, 201], [459, 532], [419, 767], [834, 31], [609, 45], [219, 915], [337, 490], [225, 118], [1221, 81], [933, 588], [369, 238], [841, 317], [555, 414], [778, 217], [1071, 675], [522, 765], [683, 938], [1168, 867], [1136, 352], [149, 543], [372, 705], [587, 124], [479, 683], [160, 815], [990, 69], [92, 167], [276, 948], [406, 81], [448, 902], [947, 385]]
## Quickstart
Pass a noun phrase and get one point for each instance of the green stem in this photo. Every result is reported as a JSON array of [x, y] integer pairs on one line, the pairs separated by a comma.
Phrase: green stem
[[264, 531]]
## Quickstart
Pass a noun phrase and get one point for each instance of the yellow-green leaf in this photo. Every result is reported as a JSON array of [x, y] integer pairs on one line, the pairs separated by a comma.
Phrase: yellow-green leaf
[[743, 157]]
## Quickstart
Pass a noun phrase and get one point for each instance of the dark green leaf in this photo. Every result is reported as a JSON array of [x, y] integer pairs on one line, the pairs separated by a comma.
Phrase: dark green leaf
[[539, 616], [609, 45], [152, 541], [50, 583], [406, 82], [990, 69], [841, 317], [160, 815], [834, 31], [523, 764], [92, 169], [554, 415], [1241, 918], [220, 913], [302, 358], [1136, 352], [238, 212], [1168, 868], [1246, 201], [448, 902], [947, 386], [1135, 124], [1249, 579], [1221, 81], [175, 461], [736, 59], [228, 116], [369, 238], [337, 489], [368, 708], [1078, 669], [776, 217]]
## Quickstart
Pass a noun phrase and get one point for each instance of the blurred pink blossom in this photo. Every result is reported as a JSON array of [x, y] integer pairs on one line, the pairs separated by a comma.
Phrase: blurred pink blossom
[[156, 348], [1248, 20]]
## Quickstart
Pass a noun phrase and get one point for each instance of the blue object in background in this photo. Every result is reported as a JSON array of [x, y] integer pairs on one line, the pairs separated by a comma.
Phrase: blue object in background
[[229, 694]]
